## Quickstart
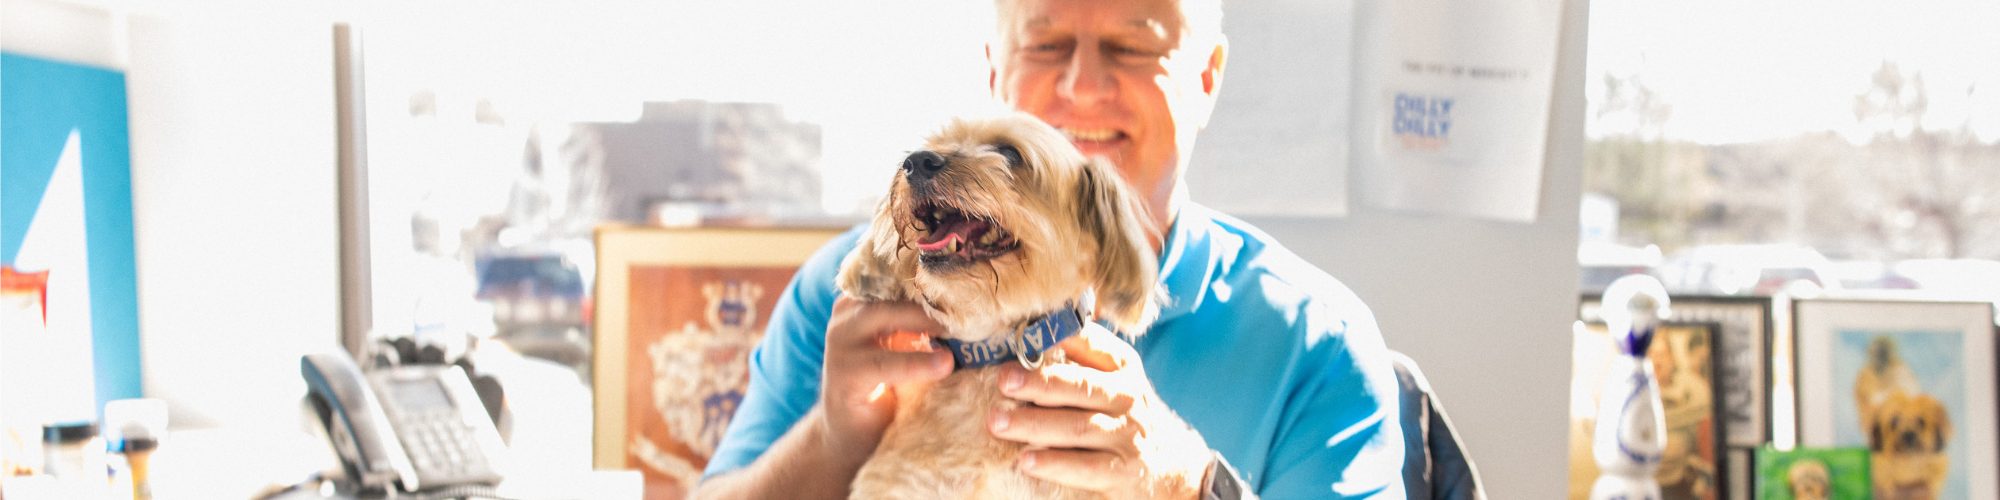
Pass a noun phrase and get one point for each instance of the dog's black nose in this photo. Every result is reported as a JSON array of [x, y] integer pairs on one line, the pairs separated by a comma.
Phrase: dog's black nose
[[923, 165]]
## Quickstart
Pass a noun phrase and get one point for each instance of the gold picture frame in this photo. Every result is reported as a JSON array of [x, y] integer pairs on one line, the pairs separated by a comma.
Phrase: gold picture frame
[[677, 312]]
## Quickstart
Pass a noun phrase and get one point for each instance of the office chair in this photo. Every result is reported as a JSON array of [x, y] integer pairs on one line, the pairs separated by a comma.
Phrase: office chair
[[1435, 465]]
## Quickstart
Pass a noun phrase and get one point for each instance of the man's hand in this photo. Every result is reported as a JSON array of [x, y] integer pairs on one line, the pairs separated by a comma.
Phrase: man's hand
[[871, 347], [1097, 425]]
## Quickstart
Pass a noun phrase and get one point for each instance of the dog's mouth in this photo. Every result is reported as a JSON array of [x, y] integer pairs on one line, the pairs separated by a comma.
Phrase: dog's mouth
[[950, 235]]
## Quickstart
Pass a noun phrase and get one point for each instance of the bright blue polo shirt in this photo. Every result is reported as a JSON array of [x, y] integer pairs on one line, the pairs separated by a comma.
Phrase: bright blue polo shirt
[[1278, 365]]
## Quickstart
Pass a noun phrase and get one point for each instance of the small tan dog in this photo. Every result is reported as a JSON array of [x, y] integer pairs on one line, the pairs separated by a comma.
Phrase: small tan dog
[[1882, 375], [1810, 480], [1000, 228], [1906, 447]]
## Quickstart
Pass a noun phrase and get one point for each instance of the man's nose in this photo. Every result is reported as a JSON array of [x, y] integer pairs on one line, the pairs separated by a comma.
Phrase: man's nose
[[923, 165], [1087, 82]]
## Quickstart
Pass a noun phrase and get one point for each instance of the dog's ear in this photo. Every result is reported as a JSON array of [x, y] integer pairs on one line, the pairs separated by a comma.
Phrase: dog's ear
[[1942, 424], [1875, 431], [1126, 268], [874, 270]]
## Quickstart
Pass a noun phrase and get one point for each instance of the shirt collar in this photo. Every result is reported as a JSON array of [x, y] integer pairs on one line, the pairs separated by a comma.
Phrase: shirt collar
[[1188, 262], [1027, 345]]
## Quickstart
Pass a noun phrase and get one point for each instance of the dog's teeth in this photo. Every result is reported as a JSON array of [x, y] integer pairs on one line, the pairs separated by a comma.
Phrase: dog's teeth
[[952, 247], [990, 237]]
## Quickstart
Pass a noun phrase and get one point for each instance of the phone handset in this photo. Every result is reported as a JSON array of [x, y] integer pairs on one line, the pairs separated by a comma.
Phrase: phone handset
[[355, 423]]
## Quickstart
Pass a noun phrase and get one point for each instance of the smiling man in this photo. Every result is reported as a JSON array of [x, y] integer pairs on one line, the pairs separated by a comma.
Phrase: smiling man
[[1118, 78], [1262, 376]]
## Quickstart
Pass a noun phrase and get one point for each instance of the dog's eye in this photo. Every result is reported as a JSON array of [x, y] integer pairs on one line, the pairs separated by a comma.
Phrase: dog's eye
[[1013, 155]]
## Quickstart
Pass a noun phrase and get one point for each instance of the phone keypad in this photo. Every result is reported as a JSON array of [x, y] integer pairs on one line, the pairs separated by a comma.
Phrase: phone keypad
[[442, 445]]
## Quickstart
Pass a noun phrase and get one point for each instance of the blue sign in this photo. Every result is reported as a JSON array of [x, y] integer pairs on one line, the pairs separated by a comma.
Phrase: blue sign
[[47, 107]]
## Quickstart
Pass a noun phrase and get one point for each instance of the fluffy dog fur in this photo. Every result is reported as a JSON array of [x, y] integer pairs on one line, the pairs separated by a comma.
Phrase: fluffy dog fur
[[1883, 374], [1906, 447], [1810, 480], [1069, 226]]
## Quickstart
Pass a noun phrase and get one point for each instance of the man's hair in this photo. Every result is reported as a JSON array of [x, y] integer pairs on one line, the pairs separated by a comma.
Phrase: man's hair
[[1201, 21]]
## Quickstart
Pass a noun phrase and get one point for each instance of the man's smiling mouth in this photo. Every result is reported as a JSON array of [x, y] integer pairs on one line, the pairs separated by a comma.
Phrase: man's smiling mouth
[[1091, 134]]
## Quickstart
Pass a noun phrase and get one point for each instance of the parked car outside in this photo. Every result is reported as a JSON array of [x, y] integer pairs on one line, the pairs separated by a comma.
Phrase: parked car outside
[[1759, 270], [1602, 262]]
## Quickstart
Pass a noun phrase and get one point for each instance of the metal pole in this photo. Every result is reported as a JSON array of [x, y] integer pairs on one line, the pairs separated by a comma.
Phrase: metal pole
[[356, 311]]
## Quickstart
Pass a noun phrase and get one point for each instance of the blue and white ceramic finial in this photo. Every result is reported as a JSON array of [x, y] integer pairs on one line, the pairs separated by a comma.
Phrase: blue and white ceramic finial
[[1629, 441], [1625, 306]]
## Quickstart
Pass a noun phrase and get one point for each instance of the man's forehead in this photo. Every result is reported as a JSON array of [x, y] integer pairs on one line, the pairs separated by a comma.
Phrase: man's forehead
[[1157, 18], [1134, 22]]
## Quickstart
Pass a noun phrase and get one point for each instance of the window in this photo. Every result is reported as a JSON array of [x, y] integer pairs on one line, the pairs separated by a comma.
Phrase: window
[[1758, 143]]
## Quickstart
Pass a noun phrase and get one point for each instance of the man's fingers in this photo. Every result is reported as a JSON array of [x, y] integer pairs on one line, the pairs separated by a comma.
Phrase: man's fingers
[[1067, 385], [907, 341], [871, 345], [1085, 469], [903, 367], [1099, 348], [1066, 428], [864, 324], [898, 367], [868, 373]]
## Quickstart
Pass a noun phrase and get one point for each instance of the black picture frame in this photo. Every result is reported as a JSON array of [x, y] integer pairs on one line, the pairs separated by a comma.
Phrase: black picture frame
[[1720, 461], [1746, 368]]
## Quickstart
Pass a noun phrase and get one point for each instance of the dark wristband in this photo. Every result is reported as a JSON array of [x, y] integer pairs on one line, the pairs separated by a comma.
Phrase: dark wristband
[[1223, 483]]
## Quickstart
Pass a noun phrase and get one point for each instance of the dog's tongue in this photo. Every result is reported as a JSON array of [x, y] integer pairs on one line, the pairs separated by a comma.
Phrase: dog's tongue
[[953, 233]]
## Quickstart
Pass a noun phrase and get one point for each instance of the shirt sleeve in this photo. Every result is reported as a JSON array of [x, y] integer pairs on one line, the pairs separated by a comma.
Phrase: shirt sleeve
[[1341, 435], [786, 365]]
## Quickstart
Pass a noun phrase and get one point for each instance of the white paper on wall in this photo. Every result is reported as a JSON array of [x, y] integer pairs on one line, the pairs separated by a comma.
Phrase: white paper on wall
[[1277, 143], [1458, 122]]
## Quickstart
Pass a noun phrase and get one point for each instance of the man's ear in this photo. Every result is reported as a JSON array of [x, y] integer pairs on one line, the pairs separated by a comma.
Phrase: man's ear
[[1211, 76], [992, 74], [1125, 272]]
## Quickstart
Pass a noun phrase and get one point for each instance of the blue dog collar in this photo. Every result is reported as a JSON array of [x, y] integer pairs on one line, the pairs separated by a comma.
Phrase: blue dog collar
[[1028, 343]]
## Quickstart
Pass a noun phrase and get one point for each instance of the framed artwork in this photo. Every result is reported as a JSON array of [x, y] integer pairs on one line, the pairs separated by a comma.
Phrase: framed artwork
[[1684, 362], [677, 313], [65, 169], [1813, 474], [1911, 381], [1743, 361]]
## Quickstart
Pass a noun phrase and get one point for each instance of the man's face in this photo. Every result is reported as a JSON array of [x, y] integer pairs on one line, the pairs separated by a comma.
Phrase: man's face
[[1115, 77]]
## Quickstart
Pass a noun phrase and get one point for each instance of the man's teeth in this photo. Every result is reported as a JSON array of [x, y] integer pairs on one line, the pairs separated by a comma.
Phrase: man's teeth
[[1091, 134]]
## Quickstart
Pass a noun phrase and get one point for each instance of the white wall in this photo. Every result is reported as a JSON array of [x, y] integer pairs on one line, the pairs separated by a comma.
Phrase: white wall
[[1483, 307], [233, 206]]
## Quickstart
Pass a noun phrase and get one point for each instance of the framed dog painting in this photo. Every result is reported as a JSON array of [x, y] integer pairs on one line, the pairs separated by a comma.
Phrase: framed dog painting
[[1684, 364], [1911, 381], [677, 313], [1813, 474]]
